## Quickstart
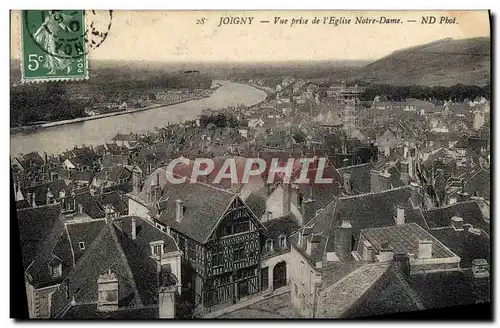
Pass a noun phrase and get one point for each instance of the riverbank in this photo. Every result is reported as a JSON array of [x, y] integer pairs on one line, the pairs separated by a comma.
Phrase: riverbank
[[29, 128], [270, 92], [56, 139]]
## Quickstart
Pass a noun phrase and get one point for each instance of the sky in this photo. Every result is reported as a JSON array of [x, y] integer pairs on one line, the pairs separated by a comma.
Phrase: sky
[[175, 36]]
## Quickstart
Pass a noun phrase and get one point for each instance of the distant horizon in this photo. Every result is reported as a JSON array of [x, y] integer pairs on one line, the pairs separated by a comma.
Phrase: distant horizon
[[175, 36], [302, 61]]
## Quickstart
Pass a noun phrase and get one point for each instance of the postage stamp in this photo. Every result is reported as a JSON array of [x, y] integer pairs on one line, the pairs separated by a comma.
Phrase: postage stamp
[[53, 45]]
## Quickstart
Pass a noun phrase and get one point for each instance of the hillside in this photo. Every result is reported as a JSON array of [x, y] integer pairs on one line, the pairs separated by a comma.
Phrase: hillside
[[445, 63]]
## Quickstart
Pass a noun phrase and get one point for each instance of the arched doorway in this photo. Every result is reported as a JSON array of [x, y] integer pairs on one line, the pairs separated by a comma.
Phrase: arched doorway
[[279, 275]]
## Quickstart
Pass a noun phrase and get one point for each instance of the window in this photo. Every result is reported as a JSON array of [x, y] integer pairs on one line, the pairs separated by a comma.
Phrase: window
[[239, 252], [269, 245], [282, 241], [55, 269], [241, 227], [157, 248], [82, 245]]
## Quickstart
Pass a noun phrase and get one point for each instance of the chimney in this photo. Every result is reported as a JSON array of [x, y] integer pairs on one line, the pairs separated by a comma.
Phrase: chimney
[[405, 171], [463, 196], [48, 197], [80, 209], [457, 223], [312, 243], [385, 253], [385, 180], [369, 254], [107, 291], [295, 195], [425, 249], [342, 240], [480, 268], [166, 302], [179, 210], [33, 203], [416, 195], [134, 229], [136, 181], [400, 214], [347, 182], [286, 200]]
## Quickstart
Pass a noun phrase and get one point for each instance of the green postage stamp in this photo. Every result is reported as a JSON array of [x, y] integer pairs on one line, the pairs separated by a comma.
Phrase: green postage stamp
[[53, 45]]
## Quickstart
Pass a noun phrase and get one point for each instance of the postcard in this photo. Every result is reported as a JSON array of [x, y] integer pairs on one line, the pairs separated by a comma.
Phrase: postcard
[[250, 164]]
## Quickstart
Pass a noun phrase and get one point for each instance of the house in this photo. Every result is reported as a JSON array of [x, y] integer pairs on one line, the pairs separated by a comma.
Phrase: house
[[334, 233], [129, 141], [130, 270], [39, 228], [255, 123], [387, 141], [222, 253], [28, 161], [113, 177]]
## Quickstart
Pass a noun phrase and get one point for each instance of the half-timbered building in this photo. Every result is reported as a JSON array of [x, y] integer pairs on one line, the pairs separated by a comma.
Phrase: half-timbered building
[[219, 235]]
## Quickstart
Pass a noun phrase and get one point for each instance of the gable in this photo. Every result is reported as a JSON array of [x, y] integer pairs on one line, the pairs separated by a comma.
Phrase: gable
[[237, 212]]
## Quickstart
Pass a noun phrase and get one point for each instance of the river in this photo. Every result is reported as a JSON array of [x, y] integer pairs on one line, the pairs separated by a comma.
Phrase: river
[[55, 140]]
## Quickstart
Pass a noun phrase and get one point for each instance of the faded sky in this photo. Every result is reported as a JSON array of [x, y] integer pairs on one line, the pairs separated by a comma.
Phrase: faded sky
[[175, 36]]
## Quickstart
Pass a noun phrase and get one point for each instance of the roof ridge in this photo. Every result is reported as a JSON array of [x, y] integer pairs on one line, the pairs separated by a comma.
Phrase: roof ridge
[[451, 205], [392, 226], [91, 247], [375, 193]]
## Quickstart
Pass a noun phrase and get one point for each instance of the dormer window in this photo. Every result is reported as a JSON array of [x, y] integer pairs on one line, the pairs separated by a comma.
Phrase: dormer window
[[81, 245], [157, 248], [282, 241], [269, 245], [55, 268]]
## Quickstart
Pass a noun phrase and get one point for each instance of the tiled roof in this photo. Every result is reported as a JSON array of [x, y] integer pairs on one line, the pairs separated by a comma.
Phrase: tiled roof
[[371, 210], [404, 239], [203, 207], [145, 233], [335, 300], [468, 246], [388, 295], [113, 173], [360, 176], [86, 152], [82, 231], [41, 191], [113, 198], [280, 226], [449, 288], [89, 204], [30, 159], [468, 211], [109, 251], [257, 203], [110, 160], [35, 225]]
